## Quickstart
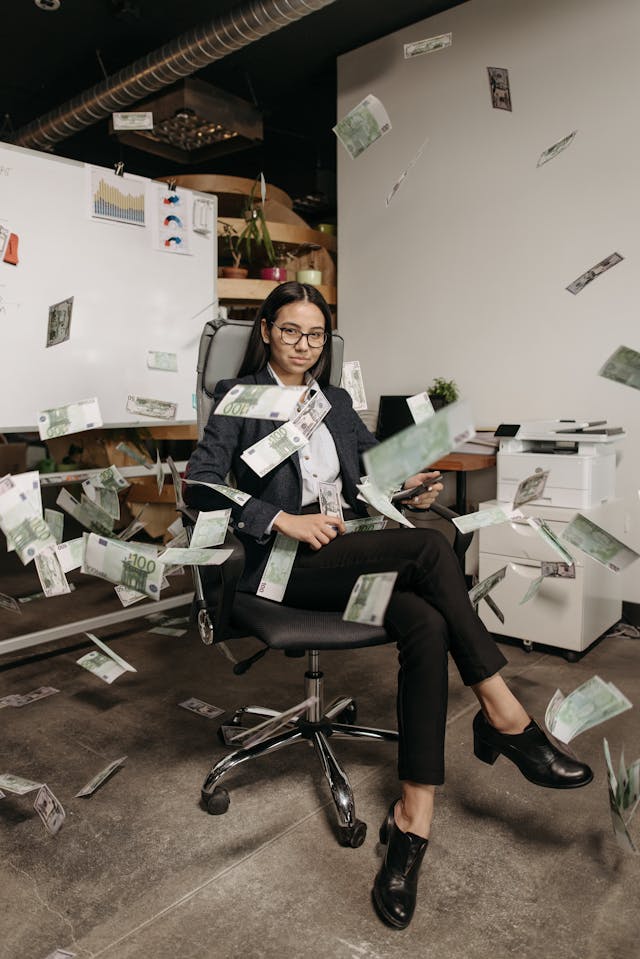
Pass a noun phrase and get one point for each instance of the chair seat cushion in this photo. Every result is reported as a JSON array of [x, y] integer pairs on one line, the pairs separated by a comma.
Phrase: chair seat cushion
[[285, 627]]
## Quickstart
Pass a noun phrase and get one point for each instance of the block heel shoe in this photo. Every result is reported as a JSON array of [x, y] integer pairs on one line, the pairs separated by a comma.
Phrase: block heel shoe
[[396, 885], [538, 759]]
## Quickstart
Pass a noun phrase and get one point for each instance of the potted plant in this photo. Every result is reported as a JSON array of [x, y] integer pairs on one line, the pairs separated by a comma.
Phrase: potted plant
[[255, 239], [442, 392], [231, 240]]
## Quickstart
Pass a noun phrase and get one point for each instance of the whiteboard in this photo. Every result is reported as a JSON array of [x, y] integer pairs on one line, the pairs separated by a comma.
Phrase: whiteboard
[[130, 295]]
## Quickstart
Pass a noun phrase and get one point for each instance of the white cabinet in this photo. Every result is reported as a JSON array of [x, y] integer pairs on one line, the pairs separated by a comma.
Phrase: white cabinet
[[569, 614]]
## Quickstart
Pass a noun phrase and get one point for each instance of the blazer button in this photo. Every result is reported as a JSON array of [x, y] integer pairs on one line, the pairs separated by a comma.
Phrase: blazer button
[[240, 525]]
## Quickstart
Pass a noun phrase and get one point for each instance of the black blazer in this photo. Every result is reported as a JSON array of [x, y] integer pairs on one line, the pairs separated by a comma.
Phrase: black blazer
[[218, 454]]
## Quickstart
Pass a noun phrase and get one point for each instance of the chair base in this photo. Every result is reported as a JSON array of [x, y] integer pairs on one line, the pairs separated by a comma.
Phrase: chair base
[[317, 727]]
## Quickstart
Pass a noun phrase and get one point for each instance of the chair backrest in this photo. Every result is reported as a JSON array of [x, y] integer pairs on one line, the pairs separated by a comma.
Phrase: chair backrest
[[222, 346]]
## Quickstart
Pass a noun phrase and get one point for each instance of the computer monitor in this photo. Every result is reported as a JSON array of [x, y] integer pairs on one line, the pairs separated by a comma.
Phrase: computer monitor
[[393, 415]]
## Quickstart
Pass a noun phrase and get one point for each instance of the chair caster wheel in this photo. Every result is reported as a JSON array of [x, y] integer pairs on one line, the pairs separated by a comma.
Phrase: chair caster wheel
[[354, 835], [218, 802], [349, 715]]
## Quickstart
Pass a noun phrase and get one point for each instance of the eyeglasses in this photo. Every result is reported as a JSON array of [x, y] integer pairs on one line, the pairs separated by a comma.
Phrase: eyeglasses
[[290, 336]]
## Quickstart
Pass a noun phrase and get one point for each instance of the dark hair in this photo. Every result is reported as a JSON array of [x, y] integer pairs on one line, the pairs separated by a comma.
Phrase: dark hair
[[257, 353]]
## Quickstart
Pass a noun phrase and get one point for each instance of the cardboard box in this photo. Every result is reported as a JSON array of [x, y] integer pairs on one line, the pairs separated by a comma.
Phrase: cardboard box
[[13, 458]]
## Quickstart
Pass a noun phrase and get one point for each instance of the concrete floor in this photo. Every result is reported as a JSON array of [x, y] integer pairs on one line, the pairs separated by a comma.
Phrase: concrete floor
[[140, 870]]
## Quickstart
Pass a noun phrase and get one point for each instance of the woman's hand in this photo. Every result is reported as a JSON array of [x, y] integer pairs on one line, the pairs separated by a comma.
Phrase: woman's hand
[[424, 500], [315, 529]]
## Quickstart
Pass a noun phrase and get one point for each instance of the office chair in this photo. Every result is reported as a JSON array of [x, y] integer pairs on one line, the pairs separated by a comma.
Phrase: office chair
[[222, 614]]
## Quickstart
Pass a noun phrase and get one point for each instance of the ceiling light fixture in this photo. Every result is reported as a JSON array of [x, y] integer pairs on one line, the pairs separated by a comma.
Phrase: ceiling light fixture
[[47, 4]]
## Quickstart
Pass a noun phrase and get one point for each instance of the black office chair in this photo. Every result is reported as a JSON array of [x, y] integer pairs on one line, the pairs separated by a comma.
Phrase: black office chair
[[222, 614]]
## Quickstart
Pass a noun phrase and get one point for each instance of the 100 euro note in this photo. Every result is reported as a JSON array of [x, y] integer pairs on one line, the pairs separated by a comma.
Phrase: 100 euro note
[[275, 577], [274, 448], [21, 523], [123, 563], [381, 502], [73, 418], [270, 402], [597, 543], [590, 704], [623, 366], [210, 529], [29, 484], [363, 125], [369, 598]]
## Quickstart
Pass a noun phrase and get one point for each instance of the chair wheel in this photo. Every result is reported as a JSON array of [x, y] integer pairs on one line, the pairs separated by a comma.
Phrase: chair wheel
[[349, 715], [218, 802], [205, 627], [354, 835]]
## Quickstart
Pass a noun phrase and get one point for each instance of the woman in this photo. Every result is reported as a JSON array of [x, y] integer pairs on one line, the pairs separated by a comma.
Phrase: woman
[[429, 614]]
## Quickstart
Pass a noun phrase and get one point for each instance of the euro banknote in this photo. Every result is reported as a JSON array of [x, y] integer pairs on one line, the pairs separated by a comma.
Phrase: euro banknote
[[590, 704], [369, 598], [275, 577], [274, 448], [599, 544], [73, 418], [270, 402], [125, 563]]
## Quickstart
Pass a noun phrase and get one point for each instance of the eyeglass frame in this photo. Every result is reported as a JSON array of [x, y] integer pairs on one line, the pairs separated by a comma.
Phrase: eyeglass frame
[[312, 333]]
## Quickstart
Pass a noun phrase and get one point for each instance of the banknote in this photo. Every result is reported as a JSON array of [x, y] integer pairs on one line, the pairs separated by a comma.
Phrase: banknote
[[247, 738], [623, 366], [123, 563], [175, 527], [500, 88], [98, 522], [24, 699], [597, 543], [275, 577], [545, 532], [532, 590], [70, 554], [418, 47], [110, 478], [420, 406], [353, 383], [98, 517], [59, 325], [364, 524], [329, 499], [210, 529], [562, 570], [195, 557], [162, 361], [201, 708], [168, 631], [309, 418], [481, 589], [182, 539], [369, 598], [8, 602], [134, 526], [494, 609], [132, 120], [236, 495], [22, 523], [61, 954], [104, 663], [18, 785], [29, 484], [50, 810], [128, 596], [50, 573], [492, 516], [101, 777], [274, 448], [590, 704], [270, 402], [156, 409], [362, 126], [530, 488], [411, 450], [55, 521], [595, 271], [381, 502], [551, 152], [159, 471], [62, 420], [136, 455], [396, 186], [626, 784], [105, 499]]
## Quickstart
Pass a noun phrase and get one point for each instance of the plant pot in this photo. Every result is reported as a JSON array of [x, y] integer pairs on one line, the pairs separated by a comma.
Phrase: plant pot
[[276, 273], [437, 401], [314, 277], [234, 272]]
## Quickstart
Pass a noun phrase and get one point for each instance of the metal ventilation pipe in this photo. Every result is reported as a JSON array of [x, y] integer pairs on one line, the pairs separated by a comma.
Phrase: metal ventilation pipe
[[180, 58]]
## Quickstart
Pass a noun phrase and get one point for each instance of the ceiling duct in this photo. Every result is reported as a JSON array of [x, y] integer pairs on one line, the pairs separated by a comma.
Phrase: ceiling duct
[[180, 58]]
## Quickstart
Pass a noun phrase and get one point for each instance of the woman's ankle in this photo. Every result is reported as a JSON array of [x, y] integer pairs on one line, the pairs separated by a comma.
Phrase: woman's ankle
[[418, 823], [510, 722]]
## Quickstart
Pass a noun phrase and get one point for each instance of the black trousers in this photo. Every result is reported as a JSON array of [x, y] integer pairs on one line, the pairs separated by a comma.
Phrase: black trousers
[[429, 615]]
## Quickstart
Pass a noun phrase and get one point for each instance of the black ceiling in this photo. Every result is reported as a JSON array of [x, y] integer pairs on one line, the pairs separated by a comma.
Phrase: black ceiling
[[48, 57]]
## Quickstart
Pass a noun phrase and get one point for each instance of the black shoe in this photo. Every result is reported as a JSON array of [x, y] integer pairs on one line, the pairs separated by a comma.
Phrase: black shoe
[[396, 885], [537, 758]]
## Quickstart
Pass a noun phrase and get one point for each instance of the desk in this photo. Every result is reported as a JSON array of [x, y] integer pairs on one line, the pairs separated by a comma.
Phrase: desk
[[461, 464]]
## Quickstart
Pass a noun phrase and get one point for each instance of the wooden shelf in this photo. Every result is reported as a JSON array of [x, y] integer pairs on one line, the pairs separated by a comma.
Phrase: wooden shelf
[[286, 233], [254, 291]]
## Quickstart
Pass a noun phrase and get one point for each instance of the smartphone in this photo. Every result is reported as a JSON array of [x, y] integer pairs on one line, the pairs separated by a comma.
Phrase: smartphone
[[404, 494]]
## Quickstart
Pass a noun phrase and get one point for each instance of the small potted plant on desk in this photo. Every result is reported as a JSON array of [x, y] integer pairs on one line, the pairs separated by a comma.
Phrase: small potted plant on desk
[[231, 241], [442, 392]]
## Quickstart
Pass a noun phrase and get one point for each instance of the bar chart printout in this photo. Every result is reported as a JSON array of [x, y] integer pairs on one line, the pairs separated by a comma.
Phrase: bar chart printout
[[117, 198]]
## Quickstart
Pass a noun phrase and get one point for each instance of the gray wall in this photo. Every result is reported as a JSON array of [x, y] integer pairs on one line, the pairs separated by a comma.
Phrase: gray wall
[[464, 274]]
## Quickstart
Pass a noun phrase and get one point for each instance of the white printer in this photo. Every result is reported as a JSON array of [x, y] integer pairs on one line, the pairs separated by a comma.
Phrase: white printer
[[580, 457]]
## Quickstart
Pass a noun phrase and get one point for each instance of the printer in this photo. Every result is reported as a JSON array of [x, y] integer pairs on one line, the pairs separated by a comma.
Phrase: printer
[[580, 456]]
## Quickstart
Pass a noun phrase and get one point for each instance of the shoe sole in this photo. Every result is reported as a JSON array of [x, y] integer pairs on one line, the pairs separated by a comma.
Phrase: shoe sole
[[382, 914]]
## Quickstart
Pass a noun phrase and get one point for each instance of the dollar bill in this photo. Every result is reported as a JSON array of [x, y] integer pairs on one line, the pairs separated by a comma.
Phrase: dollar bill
[[124, 563], [162, 361], [105, 499], [236, 495], [8, 602], [101, 777], [562, 570], [590, 704], [530, 488], [109, 478], [140, 458], [420, 406], [50, 810], [128, 596], [55, 521], [369, 598], [42, 692], [17, 785], [21, 523], [595, 271], [269, 402], [274, 448], [381, 502], [50, 573], [73, 418], [416, 447], [210, 528], [329, 499], [492, 516], [70, 554], [362, 126], [353, 383], [483, 588], [418, 47], [552, 152], [500, 88], [597, 543], [201, 708], [396, 186], [545, 532], [364, 524], [309, 418], [270, 727], [59, 325], [275, 577], [623, 366], [155, 409]]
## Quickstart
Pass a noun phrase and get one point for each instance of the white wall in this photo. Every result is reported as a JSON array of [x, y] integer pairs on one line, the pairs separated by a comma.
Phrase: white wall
[[464, 274]]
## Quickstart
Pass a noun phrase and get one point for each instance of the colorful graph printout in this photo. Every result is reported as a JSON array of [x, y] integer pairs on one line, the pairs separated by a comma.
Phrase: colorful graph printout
[[117, 198], [173, 212]]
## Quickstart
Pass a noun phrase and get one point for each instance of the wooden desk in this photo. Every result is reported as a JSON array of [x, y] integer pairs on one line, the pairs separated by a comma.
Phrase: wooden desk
[[461, 464]]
